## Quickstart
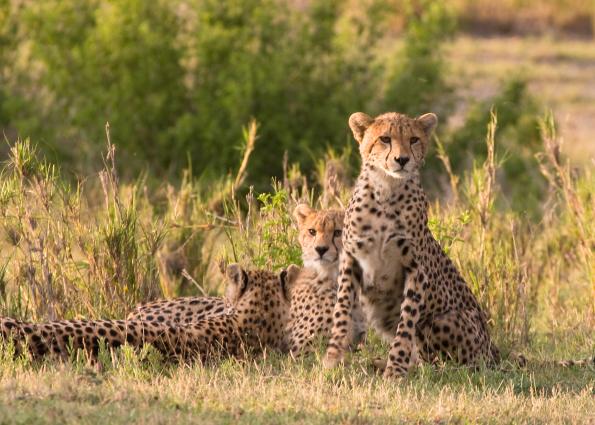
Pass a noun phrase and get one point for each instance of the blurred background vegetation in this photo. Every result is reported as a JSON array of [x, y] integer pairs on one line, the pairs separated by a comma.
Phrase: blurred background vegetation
[[178, 80]]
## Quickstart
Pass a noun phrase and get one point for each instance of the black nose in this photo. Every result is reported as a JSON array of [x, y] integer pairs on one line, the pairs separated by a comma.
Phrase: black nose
[[402, 160], [321, 250]]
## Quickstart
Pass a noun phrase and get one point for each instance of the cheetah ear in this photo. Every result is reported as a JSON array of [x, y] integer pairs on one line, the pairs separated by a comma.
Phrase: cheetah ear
[[301, 212], [359, 123], [292, 273], [237, 282], [287, 278], [222, 265], [428, 122]]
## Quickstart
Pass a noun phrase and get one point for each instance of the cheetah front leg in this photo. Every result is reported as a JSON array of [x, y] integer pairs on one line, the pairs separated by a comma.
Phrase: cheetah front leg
[[342, 332], [403, 351]]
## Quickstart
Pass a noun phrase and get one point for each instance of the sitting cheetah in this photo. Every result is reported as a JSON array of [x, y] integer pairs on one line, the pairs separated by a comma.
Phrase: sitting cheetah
[[410, 290], [313, 292], [256, 318]]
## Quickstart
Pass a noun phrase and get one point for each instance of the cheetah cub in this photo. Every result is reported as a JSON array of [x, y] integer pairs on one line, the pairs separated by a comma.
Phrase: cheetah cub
[[410, 291], [313, 291]]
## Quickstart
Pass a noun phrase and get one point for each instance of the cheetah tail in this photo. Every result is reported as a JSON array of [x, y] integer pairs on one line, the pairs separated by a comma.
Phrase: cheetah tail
[[521, 361]]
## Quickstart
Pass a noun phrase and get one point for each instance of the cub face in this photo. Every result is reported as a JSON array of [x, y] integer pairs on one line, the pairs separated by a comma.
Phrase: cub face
[[319, 237], [392, 142]]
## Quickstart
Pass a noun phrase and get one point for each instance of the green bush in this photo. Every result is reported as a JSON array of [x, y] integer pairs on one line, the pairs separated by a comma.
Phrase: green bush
[[113, 61], [416, 80], [517, 142], [178, 80]]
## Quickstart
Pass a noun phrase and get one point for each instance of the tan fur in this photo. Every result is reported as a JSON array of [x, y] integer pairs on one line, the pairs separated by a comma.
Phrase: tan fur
[[319, 232], [256, 316], [314, 289], [411, 292]]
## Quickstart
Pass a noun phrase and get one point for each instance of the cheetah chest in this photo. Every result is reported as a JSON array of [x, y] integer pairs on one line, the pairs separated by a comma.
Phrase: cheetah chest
[[378, 240], [373, 243]]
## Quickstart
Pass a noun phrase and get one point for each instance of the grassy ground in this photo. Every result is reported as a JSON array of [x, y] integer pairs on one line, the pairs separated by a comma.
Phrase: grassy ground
[[280, 391], [96, 249]]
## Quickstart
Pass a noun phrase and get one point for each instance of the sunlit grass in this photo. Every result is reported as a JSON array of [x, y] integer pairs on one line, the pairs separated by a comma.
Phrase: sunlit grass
[[96, 248]]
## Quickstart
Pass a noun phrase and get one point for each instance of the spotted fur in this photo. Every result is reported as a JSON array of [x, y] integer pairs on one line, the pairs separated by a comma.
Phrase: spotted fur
[[313, 289], [410, 290], [179, 310], [255, 318]]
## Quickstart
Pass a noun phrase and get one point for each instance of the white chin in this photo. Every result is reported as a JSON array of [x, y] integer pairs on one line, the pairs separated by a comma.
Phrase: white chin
[[401, 174], [319, 263]]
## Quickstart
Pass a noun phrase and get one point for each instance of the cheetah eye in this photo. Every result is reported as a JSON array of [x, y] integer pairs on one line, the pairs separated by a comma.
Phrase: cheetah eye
[[385, 139], [312, 232], [337, 233], [414, 140]]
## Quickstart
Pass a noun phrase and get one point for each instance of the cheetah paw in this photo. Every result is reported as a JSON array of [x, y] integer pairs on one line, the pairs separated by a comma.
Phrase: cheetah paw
[[379, 364], [392, 372], [332, 359]]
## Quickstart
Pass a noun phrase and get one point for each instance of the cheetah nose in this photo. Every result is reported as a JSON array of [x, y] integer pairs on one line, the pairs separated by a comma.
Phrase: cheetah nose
[[321, 250], [402, 160]]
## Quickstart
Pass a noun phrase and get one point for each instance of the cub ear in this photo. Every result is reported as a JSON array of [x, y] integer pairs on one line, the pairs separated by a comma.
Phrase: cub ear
[[222, 265], [237, 282], [359, 123], [340, 214], [301, 212], [428, 122], [287, 277]]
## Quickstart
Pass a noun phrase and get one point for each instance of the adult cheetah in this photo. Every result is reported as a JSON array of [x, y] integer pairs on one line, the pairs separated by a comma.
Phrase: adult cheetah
[[410, 290], [256, 319]]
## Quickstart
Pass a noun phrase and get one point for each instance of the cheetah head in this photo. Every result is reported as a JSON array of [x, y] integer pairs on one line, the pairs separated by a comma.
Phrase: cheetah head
[[392, 142], [319, 237], [261, 300]]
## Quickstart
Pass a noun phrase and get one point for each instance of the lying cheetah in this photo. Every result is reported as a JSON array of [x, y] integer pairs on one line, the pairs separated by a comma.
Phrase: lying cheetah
[[180, 310], [314, 290], [410, 290], [256, 319]]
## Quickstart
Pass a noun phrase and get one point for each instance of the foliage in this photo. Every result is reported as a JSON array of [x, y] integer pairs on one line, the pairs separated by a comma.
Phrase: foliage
[[176, 78], [93, 250], [518, 141], [416, 81], [110, 61]]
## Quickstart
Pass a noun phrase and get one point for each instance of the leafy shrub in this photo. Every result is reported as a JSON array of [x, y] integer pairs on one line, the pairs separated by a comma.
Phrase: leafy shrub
[[517, 142], [416, 80], [113, 61]]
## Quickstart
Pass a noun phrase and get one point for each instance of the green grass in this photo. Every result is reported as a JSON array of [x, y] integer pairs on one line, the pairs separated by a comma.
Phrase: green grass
[[94, 248], [278, 390]]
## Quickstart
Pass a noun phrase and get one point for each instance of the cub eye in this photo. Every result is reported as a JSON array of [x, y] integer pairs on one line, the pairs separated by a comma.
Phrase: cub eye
[[337, 233], [385, 139], [312, 232], [414, 140]]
